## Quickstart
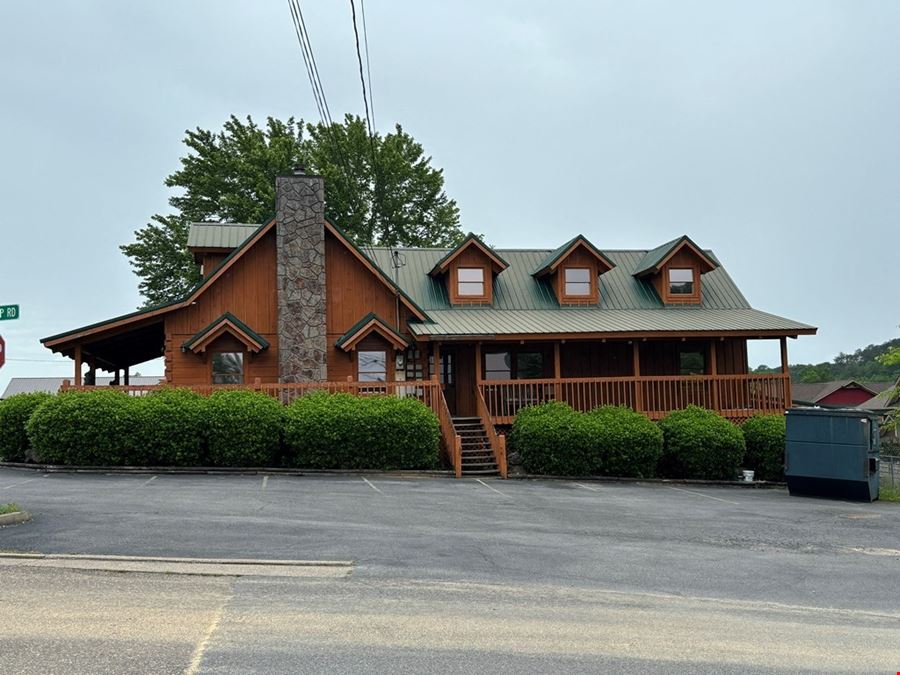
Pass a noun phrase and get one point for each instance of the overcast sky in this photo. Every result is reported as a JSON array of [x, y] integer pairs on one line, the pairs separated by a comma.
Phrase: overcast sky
[[767, 131]]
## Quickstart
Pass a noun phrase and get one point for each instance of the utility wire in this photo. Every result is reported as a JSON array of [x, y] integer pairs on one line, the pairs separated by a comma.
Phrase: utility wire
[[362, 6], [369, 125]]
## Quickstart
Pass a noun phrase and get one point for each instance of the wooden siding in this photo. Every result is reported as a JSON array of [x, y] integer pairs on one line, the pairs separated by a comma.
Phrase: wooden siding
[[683, 259], [579, 257], [247, 290], [471, 257], [352, 291]]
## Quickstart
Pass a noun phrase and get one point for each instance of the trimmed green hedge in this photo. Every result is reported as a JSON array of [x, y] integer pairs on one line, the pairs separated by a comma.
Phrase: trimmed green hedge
[[764, 436], [243, 428], [340, 431], [14, 414], [171, 426], [626, 443], [554, 439], [85, 428], [700, 443]]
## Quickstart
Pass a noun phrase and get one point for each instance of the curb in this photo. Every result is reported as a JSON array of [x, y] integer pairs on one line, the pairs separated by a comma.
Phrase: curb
[[14, 518], [190, 561], [655, 481], [215, 470]]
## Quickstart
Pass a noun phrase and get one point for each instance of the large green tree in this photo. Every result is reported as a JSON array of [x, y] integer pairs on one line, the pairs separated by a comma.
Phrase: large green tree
[[381, 190]]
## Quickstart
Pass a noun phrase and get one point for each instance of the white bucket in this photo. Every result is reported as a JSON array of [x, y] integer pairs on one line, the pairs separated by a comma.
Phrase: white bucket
[[748, 476]]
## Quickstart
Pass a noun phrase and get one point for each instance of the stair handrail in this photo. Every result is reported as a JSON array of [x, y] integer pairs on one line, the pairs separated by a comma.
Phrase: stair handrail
[[497, 441], [452, 440]]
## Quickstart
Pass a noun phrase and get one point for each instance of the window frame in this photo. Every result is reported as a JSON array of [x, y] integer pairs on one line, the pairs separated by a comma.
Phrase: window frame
[[691, 351], [458, 282], [589, 283], [212, 366], [694, 284], [360, 373]]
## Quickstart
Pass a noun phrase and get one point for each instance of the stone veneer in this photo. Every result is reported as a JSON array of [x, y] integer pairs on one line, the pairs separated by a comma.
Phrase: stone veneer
[[300, 241]]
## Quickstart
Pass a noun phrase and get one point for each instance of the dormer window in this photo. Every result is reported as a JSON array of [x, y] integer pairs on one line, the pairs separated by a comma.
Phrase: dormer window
[[578, 282], [681, 281], [470, 282]]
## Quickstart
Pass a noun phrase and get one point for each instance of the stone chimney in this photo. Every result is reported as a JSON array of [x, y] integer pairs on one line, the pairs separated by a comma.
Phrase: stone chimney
[[300, 241]]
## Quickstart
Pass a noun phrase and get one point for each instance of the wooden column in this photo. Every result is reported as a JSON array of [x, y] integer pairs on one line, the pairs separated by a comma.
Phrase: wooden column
[[636, 367], [786, 374], [436, 356], [479, 372], [77, 365], [557, 387], [126, 376], [714, 370]]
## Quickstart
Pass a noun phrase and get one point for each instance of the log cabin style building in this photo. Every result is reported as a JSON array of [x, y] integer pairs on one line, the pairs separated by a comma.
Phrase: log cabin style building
[[477, 333]]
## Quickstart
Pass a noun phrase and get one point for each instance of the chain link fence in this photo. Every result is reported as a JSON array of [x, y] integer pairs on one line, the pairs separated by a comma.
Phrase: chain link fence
[[890, 471]]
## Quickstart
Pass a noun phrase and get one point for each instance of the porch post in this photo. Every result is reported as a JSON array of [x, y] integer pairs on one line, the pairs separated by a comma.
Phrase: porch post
[[557, 386], [714, 371], [92, 370], [436, 356], [78, 365], [638, 390], [126, 376], [786, 373], [479, 375]]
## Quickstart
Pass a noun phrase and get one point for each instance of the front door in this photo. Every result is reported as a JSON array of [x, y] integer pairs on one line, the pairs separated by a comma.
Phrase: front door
[[458, 379]]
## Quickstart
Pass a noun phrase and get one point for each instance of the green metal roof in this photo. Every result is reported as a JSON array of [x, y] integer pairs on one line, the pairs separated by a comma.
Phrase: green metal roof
[[219, 235], [554, 256], [525, 305], [451, 252], [227, 316], [362, 322], [653, 258]]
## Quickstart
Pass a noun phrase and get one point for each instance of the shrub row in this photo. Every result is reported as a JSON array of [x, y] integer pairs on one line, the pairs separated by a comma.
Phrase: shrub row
[[177, 427], [692, 443], [615, 441]]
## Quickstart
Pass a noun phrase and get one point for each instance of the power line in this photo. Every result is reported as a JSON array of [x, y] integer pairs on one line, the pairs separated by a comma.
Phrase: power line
[[362, 6]]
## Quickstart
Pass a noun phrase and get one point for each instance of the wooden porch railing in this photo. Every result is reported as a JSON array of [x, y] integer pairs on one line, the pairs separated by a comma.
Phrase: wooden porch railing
[[734, 396], [497, 441], [452, 440]]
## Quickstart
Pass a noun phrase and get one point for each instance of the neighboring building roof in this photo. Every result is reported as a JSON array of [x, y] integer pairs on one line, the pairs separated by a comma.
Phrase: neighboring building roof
[[219, 235], [524, 305], [51, 385], [227, 323], [654, 258], [887, 399], [370, 323], [555, 257], [813, 392]]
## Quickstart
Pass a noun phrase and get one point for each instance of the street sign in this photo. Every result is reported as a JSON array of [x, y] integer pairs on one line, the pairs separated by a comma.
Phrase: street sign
[[9, 312], [2, 351]]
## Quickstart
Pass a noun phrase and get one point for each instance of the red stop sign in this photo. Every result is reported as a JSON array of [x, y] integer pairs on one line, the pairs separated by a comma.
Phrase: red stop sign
[[2, 351]]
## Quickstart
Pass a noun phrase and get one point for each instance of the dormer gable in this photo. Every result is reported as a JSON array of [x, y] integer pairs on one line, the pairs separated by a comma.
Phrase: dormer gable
[[676, 269], [573, 271], [469, 270]]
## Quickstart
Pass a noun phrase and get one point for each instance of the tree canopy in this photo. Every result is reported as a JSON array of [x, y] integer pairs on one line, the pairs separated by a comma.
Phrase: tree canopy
[[875, 363], [381, 190]]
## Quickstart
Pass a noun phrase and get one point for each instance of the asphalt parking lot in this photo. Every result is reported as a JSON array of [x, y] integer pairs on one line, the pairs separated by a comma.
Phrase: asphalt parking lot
[[514, 576]]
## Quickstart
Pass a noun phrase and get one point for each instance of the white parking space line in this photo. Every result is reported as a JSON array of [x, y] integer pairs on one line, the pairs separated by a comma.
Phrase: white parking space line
[[587, 487], [490, 488], [700, 494], [265, 482], [369, 483], [19, 483], [149, 480]]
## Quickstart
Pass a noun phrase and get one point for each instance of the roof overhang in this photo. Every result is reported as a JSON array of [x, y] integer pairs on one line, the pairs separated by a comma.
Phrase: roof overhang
[[555, 259], [370, 323], [227, 324], [472, 240]]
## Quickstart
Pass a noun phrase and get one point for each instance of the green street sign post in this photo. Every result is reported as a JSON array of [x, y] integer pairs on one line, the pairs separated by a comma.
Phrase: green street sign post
[[9, 312]]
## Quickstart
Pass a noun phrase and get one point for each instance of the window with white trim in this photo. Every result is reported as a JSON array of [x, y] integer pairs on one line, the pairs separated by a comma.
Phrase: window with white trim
[[470, 282]]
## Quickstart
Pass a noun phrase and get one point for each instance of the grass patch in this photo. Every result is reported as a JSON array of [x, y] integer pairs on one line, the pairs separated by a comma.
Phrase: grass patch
[[885, 494], [9, 508]]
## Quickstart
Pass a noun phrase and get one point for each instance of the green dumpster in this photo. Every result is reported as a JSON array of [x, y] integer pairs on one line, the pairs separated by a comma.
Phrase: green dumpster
[[832, 453]]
